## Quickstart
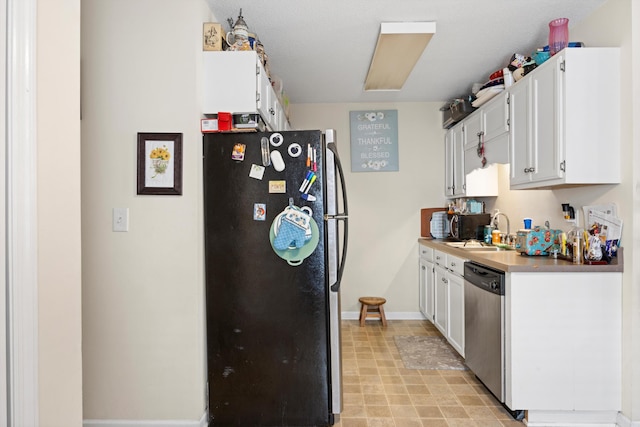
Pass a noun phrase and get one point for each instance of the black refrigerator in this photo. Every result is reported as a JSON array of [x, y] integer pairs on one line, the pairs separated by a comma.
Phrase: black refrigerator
[[275, 213]]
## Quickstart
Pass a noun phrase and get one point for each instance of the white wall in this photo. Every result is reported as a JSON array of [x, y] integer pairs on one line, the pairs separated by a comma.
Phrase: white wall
[[59, 246], [384, 207], [143, 302]]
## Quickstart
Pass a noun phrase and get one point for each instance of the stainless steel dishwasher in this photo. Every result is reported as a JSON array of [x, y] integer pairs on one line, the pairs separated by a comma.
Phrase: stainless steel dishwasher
[[484, 325]]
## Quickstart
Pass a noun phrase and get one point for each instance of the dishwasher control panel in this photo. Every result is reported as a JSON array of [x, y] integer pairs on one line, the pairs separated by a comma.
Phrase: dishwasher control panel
[[484, 277]]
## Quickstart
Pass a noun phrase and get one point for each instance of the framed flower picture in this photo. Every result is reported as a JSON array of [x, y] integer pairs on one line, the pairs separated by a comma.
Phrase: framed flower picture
[[160, 163]]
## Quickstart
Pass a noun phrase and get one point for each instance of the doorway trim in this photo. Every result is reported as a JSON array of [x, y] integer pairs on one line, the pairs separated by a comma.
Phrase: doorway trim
[[21, 262]]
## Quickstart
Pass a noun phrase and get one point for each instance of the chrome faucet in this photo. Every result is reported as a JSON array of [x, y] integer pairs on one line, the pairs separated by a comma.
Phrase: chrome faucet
[[494, 221]]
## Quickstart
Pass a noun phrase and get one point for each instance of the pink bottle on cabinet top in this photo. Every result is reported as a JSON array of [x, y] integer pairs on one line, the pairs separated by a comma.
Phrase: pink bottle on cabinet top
[[558, 35]]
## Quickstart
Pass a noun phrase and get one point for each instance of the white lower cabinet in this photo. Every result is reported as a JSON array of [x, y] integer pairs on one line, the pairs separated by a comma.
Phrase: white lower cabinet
[[455, 313], [441, 298], [425, 289], [563, 344], [449, 298]]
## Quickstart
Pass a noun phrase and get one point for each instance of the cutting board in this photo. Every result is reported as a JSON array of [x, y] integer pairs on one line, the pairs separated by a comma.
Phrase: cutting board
[[425, 221]]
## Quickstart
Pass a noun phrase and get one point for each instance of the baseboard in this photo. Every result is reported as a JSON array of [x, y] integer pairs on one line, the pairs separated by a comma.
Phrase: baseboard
[[623, 421], [390, 315], [203, 422]]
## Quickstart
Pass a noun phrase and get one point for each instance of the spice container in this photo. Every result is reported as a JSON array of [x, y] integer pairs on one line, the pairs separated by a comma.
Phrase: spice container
[[577, 250]]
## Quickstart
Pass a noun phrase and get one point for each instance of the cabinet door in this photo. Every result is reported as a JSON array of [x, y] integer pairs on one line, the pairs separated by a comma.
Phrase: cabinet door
[[448, 164], [472, 127], [265, 95], [441, 299], [430, 291], [229, 82], [422, 287], [546, 115], [455, 321], [496, 117], [520, 132], [426, 291], [459, 182]]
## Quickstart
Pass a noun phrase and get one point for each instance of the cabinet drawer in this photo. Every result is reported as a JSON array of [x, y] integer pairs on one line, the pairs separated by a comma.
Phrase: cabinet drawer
[[440, 258], [426, 253], [455, 264]]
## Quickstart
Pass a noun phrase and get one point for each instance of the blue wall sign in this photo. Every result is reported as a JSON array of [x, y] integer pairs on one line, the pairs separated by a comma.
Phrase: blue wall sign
[[374, 141]]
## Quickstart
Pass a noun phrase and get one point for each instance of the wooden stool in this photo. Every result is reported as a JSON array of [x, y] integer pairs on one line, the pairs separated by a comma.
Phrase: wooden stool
[[372, 307]]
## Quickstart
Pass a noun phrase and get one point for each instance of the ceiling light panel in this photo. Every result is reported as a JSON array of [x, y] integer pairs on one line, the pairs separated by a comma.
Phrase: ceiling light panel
[[399, 46]]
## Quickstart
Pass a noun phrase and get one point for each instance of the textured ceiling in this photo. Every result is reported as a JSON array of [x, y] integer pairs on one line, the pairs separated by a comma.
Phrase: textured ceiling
[[321, 49]]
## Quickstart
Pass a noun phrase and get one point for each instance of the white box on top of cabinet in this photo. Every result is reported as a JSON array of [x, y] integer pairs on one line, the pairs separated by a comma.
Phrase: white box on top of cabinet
[[236, 82]]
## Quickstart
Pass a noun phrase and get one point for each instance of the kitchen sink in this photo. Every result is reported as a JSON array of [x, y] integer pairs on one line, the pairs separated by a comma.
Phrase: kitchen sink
[[489, 249], [470, 244], [474, 245]]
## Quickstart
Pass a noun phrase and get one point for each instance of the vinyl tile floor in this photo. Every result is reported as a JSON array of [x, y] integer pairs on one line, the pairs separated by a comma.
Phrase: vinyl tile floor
[[380, 392]]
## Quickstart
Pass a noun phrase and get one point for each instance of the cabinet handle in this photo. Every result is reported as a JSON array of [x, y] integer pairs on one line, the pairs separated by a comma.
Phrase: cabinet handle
[[271, 110], [532, 170], [453, 264], [424, 268]]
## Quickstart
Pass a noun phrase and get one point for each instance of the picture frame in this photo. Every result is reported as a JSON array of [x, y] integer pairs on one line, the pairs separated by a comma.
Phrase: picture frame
[[160, 164]]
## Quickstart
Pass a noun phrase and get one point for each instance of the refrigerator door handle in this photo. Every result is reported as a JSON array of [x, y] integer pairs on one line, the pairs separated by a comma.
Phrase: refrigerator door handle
[[344, 216]]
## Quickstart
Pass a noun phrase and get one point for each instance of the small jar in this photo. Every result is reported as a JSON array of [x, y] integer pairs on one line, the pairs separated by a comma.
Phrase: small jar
[[487, 234], [577, 250], [495, 237]]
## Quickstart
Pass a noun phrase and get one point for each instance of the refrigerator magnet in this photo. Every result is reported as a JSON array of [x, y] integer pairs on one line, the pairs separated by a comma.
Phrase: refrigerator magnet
[[276, 139], [259, 211], [238, 152], [295, 150], [278, 187], [257, 171]]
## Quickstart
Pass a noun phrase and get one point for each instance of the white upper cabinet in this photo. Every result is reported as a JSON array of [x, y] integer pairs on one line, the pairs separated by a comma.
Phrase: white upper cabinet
[[488, 125], [565, 121], [458, 181], [454, 180], [236, 82]]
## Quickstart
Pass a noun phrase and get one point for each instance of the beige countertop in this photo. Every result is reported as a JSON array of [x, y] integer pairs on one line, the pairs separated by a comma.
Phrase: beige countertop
[[512, 261]]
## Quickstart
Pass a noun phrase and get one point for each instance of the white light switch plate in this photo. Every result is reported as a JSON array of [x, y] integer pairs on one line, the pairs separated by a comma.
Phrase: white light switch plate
[[120, 219]]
